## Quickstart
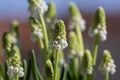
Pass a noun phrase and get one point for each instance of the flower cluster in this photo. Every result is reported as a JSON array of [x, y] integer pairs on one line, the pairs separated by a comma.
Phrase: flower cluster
[[80, 22], [14, 70], [107, 63], [59, 44], [73, 47], [13, 39], [35, 29], [48, 71], [102, 32], [14, 61], [76, 17], [37, 33], [99, 25], [59, 37], [50, 15], [7, 43], [37, 5], [87, 66]]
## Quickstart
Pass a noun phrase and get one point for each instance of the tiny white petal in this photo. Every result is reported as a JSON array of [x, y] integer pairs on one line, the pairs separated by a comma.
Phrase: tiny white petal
[[40, 35], [58, 46], [95, 31], [62, 61], [10, 73], [11, 68], [105, 31], [80, 53], [108, 69], [16, 69], [82, 24], [21, 73], [89, 71], [48, 20], [63, 43], [103, 37], [113, 66], [55, 43], [21, 68], [73, 52], [13, 39], [90, 32], [71, 25], [112, 71], [109, 64]]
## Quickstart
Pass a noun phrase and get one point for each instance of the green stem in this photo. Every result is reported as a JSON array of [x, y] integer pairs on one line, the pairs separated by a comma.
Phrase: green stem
[[74, 68], [80, 38], [89, 76], [106, 76], [56, 64], [85, 76], [41, 46], [41, 19], [95, 49], [40, 43]]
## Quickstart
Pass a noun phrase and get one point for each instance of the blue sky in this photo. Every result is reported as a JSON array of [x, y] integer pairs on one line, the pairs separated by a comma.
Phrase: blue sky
[[14, 8]]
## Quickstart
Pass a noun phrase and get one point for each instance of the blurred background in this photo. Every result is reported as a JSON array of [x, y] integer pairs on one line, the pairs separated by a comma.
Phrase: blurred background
[[18, 10]]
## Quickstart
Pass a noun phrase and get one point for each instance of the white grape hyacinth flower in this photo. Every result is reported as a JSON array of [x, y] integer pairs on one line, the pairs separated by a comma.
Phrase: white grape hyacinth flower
[[60, 44], [13, 39], [80, 53], [109, 67], [40, 6], [89, 71], [101, 32], [37, 33], [12, 71], [79, 21]]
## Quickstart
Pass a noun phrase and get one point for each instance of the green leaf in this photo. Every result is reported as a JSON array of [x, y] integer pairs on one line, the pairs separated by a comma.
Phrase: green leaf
[[35, 71], [2, 71]]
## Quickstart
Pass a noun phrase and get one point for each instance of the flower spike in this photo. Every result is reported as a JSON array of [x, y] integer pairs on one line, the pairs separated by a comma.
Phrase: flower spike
[[76, 17], [51, 12], [99, 25], [48, 71], [73, 46], [15, 68], [35, 29], [50, 15], [37, 5], [59, 36], [107, 63], [87, 66]]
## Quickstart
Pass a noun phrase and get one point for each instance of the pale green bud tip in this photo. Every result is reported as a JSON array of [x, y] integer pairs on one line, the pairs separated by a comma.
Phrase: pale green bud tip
[[99, 18], [51, 12], [32, 1], [87, 62], [48, 71], [107, 63], [15, 23], [74, 11], [106, 53], [88, 56], [60, 30]]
